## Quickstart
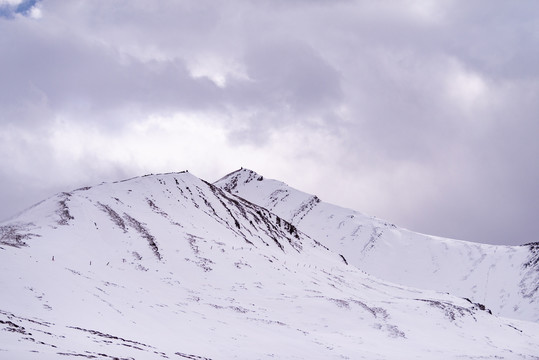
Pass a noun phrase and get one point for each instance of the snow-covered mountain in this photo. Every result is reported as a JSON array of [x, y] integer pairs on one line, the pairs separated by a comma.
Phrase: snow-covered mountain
[[504, 278], [170, 266]]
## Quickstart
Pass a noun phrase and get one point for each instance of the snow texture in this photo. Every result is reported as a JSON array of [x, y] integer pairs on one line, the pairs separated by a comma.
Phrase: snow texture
[[170, 266], [503, 278]]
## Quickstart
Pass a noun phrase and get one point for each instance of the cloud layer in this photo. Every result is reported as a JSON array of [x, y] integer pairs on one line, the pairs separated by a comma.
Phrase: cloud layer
[[421, 112]]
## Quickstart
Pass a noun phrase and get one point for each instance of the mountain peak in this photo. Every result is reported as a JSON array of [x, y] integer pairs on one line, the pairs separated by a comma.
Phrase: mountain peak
[[241, 176], [154, 266], [377, 247]]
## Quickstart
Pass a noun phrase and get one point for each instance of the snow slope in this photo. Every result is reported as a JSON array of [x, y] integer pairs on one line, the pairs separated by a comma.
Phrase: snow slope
[[169, 266], [504, 278]]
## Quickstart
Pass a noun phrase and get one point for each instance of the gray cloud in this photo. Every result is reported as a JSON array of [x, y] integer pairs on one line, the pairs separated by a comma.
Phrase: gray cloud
[[431, 104], [292, 74], [71, 76]]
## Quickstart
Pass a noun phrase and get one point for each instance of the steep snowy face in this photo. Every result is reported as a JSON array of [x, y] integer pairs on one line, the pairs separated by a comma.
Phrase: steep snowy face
[[504, 278], [169, 266], [152, 208], [273, 195]]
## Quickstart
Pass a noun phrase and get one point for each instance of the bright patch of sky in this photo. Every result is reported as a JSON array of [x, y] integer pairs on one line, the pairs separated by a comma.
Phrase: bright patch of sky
[[12, 8]]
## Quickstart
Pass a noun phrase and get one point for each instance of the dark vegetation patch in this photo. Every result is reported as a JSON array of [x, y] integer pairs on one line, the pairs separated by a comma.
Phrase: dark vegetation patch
[[234, 178], [11, 316], [190, 356], [533, 259], [394, 331], [139, 227], [529, 285], [478, 306], [12, 327], [240, 264], [278, 196], [90, 355], [259, 219], [125, 342], [268, 322], [305, 208], [377, 312], [63, 209], [451, 311], [239, 309], [114, 216], [85, 188], [517, 329], [340, 303], [218, 193], [14, 324], [87, 356], [528, 292], [202, 262], [16, 234], [375, 235], [156, 209]]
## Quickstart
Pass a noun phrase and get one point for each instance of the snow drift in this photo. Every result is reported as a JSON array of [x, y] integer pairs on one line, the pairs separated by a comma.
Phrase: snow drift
[[504, 278], [170, 266]]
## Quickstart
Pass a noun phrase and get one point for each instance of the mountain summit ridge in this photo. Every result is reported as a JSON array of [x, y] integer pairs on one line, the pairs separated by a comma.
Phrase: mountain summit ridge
[[505, 278], [171, 266]]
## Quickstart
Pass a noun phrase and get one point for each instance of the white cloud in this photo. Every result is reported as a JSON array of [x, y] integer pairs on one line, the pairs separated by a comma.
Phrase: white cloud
[[466, 88], [428, 10], [217, 68], [35, 12], [10, 2]]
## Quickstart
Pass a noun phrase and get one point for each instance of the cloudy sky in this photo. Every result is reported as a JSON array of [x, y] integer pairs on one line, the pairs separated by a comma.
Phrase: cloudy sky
[[422, 112]]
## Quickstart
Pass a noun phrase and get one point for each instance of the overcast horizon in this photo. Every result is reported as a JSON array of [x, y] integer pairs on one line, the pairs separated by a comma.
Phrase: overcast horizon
[[424, 113]]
